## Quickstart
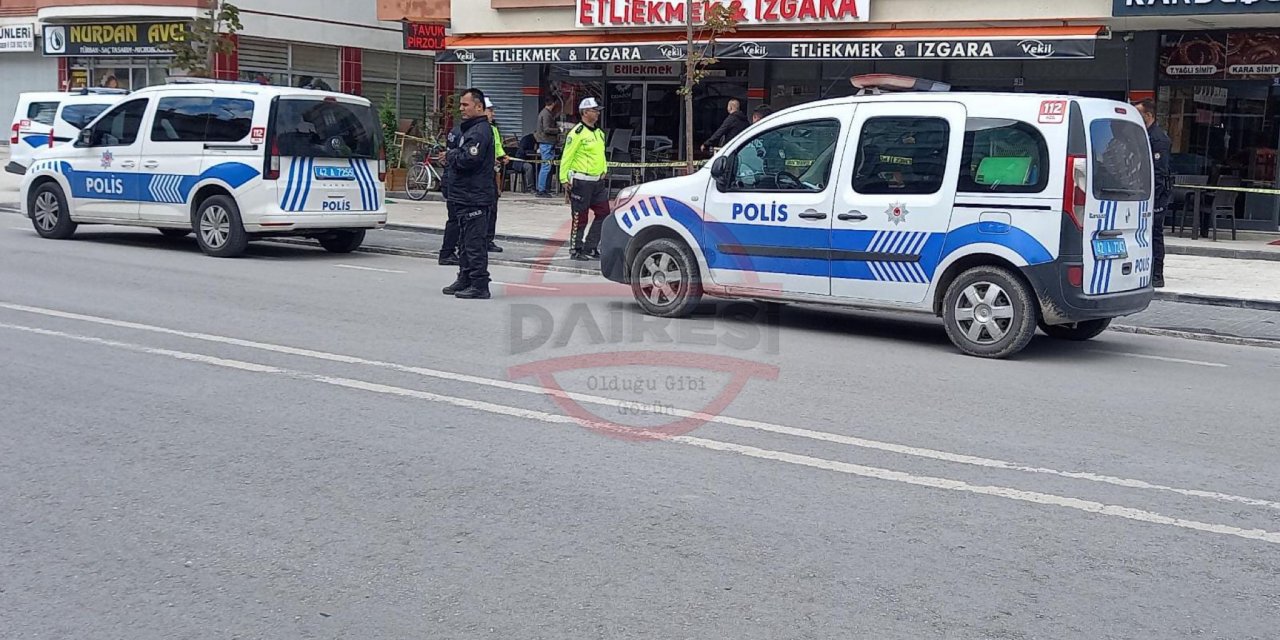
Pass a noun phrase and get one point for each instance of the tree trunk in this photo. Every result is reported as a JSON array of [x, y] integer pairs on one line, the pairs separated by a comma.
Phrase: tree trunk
[[688, 87]]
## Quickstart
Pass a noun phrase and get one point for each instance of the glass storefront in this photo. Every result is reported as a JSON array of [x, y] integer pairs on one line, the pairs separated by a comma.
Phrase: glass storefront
[[129, 73]]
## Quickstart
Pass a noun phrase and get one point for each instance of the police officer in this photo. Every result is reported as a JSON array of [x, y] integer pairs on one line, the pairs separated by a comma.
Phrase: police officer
[[500, 155], [1161, 147], [449, 244], [473, 192], [582, 172]]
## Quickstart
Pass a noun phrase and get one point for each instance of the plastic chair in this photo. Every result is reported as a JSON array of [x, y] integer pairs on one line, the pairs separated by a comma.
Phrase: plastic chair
[[1224, 206]]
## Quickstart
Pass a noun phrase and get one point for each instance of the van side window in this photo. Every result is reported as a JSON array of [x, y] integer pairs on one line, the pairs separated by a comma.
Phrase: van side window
[[202, 120], [119, 127], [797, 157], [902, 155], [42, 112], [80, 115], [1003, 156]]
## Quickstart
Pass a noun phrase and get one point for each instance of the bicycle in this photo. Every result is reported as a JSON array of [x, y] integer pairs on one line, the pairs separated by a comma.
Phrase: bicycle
[[423, 176]]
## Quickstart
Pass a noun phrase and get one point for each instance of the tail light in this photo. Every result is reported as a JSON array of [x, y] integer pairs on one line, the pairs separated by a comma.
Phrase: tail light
[[13, 139], [273, 163], [382, 165], [1075, 275], [1073, 193]]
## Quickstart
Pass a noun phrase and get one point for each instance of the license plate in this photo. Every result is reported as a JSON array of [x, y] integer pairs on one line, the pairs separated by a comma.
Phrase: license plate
[[1109, 249], [335, 173]]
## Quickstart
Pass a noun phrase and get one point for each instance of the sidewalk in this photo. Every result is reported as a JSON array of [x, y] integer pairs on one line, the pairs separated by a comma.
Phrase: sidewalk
[[526, 218]]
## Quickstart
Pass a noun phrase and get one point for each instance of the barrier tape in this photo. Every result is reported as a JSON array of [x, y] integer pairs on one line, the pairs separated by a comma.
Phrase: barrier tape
[[1209, 187]]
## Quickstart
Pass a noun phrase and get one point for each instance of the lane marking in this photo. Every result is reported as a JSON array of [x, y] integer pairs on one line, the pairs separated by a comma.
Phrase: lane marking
[[1143, 356], [1033, 497], [822, 436], [359, 268]]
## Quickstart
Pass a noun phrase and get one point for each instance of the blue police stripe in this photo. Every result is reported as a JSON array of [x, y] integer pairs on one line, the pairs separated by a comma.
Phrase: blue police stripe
[[371, 183], [359, 179], [644, 208], [288, 186], [365, 182], [310, 177], [300, 164]]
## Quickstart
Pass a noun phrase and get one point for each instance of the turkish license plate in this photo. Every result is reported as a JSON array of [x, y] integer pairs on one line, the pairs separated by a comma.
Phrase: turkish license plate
[[1109, 249]]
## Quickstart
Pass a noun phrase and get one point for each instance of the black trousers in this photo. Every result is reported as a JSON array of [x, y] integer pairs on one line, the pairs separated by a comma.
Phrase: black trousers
[[451, 231], [1157, 245], [492, 232], [473, 259], [588, 197]]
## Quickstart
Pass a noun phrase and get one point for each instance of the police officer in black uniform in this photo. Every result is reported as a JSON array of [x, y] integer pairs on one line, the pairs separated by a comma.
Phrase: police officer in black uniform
[[471, 192], [1161, 147], [449, 244]]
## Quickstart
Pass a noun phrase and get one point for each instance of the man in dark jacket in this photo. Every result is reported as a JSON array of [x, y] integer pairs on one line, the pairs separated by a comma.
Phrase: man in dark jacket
[[1161, 147], [472, 192], [449, 244], [734, 123]]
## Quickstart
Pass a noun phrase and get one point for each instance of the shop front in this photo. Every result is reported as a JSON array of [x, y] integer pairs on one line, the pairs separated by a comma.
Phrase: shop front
[[128, 55]]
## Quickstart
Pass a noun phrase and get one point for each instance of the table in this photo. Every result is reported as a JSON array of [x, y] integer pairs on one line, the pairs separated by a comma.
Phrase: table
[[1209, 188]]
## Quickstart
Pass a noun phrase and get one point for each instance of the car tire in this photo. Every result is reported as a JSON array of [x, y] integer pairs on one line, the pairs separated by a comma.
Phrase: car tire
[[175, 233], [653, 270], [342, 241], [990, 313], [49, 213], [219, 231], [1077, 332]]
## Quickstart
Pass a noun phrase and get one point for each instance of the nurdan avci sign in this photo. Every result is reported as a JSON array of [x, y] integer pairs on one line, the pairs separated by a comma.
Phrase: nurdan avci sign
[[614, 14]]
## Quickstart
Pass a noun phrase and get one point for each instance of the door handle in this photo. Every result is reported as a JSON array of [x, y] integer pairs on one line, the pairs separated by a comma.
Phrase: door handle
[[1110, 234], [813, 215], [853, 215], [150, 164], [128, 164]]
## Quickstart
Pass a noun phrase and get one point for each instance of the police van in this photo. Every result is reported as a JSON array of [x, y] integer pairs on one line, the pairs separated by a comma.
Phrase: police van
[[997, 212], [231, 161], [46, 119]]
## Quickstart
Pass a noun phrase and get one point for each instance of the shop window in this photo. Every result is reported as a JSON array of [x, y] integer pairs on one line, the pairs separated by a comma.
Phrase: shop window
[[1003, 156], [202, 120], [119, 127], [902, 156], [1121, 160], [42, 112], [796, 157], [80, 115]]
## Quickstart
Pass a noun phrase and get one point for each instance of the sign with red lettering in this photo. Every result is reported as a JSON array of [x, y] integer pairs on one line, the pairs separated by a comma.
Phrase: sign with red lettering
[[420, 36], [1053, 112], [613, 14]]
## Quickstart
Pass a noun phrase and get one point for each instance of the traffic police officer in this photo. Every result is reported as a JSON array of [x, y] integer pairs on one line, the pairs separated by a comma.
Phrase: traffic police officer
[[582, 172], [473, 192], [500, 155], [1161, 147]]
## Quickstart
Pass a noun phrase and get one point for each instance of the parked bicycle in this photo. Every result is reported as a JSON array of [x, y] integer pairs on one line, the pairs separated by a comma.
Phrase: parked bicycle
[[423, 176]]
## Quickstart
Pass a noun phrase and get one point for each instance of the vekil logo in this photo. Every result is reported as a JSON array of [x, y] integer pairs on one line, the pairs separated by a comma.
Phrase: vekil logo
[[671, 51], [754, 49], [464, 56], [335, 173], [1036, 48]]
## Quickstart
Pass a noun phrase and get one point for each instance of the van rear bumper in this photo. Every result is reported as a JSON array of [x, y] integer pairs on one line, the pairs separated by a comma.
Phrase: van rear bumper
[[1061, 303], [294, 221], [613, 250], [15, 169]]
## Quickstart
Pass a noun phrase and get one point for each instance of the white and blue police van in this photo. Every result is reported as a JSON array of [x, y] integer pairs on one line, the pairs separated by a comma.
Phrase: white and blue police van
[[232, 162], [997, 212], [47, 119]]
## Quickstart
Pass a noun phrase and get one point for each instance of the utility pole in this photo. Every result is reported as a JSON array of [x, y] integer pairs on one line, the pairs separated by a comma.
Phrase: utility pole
[[688, 86]]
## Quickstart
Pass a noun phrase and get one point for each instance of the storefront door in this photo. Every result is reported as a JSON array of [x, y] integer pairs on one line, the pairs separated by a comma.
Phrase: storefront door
[[644, 119]]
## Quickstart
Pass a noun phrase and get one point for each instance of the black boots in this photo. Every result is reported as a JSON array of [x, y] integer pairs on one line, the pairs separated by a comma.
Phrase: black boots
[[458, 285], [473, 293]]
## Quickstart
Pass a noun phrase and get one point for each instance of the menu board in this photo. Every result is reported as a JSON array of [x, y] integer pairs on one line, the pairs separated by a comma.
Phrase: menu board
[[1237, 55]]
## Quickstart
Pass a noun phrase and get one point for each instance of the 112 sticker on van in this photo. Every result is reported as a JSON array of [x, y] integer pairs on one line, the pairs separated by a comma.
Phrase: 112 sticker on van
[[1053, 112]]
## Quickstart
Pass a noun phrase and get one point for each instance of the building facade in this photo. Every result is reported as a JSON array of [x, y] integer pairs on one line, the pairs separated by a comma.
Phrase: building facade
[[340, 44]]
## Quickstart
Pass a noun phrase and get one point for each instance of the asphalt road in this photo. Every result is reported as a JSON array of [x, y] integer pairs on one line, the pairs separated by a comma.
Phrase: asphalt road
[[302, 445]]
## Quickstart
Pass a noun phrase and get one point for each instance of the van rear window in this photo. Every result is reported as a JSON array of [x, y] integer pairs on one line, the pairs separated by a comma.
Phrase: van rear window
[[42, 112], [1121, 160], [322, 129]]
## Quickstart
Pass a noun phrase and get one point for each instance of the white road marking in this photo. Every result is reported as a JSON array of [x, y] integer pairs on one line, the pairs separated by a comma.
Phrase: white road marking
[[1143, 356], [525, 286], [947, 484], [541, 259], [852, 441], [358, 268]]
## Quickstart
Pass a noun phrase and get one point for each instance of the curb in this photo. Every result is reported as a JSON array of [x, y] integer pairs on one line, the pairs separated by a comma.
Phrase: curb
[[1222, 252], [1218, 301], [1197, 336]]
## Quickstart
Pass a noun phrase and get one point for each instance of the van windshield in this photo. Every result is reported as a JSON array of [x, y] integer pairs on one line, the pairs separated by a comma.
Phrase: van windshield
[[1121, 160], [311, 128]]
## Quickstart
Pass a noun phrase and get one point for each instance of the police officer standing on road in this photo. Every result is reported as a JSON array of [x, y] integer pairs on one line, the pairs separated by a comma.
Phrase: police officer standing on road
[[502, 161], [582, 172], [449, 244], [472, 192], [1161, 147]]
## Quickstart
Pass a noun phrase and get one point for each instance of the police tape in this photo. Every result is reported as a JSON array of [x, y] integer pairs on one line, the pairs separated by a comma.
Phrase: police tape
[[1209, 187], [624, 165]]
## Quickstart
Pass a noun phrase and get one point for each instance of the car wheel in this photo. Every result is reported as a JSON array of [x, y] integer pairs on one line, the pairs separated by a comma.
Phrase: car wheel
[[49, 213], [219, 231], [342, 241], [990, 313], [1076, 332], [175, 233], [665, 279]]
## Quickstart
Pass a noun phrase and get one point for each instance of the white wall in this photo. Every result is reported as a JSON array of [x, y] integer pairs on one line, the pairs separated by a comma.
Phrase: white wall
[[23, 72], [475, 16], [348, 23]]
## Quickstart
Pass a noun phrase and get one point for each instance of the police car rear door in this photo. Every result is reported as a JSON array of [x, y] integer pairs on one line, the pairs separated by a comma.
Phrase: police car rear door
[[768, 225], [1117, 229], [328, 150]]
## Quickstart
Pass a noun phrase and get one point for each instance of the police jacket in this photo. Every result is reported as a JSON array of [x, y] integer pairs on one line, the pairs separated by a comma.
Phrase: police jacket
[[468, 176], [734, 124], [1161, 147]]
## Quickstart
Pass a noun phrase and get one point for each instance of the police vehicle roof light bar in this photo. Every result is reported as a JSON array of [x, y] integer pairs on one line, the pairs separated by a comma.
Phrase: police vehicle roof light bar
[[877, 83]]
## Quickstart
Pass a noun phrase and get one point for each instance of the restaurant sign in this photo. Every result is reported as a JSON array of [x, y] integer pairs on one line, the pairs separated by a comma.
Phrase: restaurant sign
[[131, 39], [419, 36], [1235, 55], [808, 49], [615, 14], [17, 37], [1192, 7]]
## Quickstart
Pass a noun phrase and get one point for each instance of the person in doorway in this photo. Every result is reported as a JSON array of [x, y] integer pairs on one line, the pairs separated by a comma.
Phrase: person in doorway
[[763, 111], [525, 151], [734, 123], [501, 160], [109, 81], [548, 136], [1161, 148], [582, 172], [471, 194]]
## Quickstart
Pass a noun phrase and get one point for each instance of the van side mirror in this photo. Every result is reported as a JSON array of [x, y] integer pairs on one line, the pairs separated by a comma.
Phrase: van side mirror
[[718, 168], [85, 138]]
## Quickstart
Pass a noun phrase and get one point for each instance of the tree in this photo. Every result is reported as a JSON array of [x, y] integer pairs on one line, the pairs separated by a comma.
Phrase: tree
[[210, 36], [718, 20]]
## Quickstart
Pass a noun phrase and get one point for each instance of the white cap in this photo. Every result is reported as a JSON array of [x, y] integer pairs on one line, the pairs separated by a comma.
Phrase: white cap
[[488, 104], [588, 103]]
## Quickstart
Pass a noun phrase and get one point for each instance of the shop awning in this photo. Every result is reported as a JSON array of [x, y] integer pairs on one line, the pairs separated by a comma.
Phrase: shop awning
[[994, 43]]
